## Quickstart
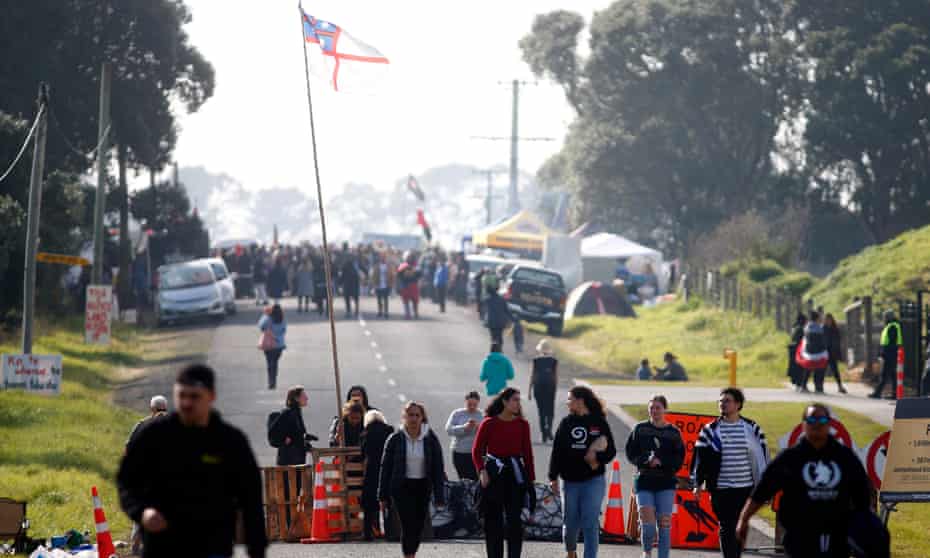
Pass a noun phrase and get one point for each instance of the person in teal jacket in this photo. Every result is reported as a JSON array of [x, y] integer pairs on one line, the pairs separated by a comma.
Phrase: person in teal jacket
[[496, 370]]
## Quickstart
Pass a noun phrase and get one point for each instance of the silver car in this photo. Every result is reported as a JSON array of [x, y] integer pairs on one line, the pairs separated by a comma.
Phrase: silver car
[[225, 280], [186, 291]]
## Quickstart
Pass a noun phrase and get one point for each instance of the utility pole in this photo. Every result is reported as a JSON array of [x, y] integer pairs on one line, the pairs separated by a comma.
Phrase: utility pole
[[103, 128], [35, 211], [490, 195], [513, 200]]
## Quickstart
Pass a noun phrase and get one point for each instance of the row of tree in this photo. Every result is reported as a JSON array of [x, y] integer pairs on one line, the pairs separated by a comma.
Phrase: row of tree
[[692, 111], [64, 43]]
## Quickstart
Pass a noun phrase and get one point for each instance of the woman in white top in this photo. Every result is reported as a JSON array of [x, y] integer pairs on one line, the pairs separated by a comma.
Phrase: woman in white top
[[411, 470]]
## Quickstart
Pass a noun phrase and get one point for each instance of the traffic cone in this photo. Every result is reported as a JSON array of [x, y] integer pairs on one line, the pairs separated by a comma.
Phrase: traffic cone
[[105, 548], [899, 388], [319, 531], [613, 518]]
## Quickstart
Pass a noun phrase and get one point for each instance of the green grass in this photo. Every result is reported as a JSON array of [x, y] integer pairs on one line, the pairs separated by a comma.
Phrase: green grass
[[908, 526], [54, 448], [896, 269], [610, 348]]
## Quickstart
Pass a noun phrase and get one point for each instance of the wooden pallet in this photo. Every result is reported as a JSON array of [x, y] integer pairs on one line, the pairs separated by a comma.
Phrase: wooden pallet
[[288, 500], [343, 477]]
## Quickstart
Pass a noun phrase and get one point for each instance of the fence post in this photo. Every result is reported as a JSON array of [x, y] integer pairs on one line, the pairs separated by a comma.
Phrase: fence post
[[869, 347], [768, 300], [778, 311], [725, 294], [757, 302], [717, 289]]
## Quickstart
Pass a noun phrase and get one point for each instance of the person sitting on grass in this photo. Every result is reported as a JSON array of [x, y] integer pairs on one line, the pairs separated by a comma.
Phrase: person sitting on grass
[[673, 371], [643, 372]]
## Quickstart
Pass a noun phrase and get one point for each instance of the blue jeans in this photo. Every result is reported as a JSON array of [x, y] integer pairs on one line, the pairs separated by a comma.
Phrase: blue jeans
[[662, 501], [581, 508]]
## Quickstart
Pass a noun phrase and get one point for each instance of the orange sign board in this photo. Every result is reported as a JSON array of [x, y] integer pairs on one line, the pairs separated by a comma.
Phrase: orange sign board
[[46, 257], [690, 426]]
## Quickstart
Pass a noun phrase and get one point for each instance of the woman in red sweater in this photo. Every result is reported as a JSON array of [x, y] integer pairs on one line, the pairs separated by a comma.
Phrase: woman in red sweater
[[503, 456]]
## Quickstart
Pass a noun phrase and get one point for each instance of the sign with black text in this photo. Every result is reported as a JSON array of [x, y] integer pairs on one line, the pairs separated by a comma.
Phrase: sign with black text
[[32, 373], [907, 468]]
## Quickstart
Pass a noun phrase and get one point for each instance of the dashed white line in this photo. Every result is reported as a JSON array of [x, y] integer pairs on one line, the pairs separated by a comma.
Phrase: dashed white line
[[367, 333], [382, 368], [374, 345], [402, 397], [378, 356], [392, 383], [361, 322]]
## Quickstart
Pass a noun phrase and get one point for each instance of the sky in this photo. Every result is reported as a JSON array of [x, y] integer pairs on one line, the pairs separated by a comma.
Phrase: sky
[[450, 73]]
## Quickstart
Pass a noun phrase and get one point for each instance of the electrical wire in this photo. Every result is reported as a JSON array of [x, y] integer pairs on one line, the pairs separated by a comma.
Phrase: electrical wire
[[22, 149], [93, 152]]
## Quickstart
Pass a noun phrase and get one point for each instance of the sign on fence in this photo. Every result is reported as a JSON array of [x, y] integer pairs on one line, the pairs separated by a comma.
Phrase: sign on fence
[[33, 373], [97, 314]]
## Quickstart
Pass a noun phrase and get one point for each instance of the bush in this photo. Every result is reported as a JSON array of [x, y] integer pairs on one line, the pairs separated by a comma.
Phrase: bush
[[763, 270], [795, 283]]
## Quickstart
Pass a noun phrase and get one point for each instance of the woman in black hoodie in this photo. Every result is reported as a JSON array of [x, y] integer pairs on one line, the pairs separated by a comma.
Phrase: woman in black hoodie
[[583, 446], [290, 430], [374, 437]]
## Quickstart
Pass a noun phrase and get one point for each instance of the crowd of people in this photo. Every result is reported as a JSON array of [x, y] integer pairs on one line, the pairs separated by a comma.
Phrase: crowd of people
[[186, 474]]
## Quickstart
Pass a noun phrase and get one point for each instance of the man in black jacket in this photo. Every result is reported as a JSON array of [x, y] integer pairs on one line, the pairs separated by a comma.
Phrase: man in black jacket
[[187, 474], [498, 315]]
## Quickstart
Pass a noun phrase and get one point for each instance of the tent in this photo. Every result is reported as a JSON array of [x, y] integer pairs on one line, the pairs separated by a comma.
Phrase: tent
[[594, 297], [602, 252], [523, 233]]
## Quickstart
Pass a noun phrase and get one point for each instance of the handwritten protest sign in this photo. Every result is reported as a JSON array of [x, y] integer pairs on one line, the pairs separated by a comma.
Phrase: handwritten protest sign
[[97, 314], [34, 373]]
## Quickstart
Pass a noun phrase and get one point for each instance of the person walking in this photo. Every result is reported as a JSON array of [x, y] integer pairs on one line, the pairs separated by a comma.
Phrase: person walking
[[304, 285], [412, 470], [497, 315], [408, 282], [583, 446], [347, 429], [503, 456], [274, 328], [543, 380], [797, 374], [158, 406], [441, 284], [461, 427], [382, 278], [351, 278], [187, 475], [496, 370], [834, 340], [729, 458], [260, 279], [823, 486], [277, 280], [890, 341], [813, 356], [288, 433], [374, 437], [657, 451]]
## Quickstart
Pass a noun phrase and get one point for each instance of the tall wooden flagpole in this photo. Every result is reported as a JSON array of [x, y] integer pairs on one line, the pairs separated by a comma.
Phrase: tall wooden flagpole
[[327, 264]]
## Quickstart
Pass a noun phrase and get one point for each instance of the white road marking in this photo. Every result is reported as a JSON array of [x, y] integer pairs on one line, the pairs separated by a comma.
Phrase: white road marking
[[392, 383], [378, 356], [382, 368], [368, 333], [402, 397], [361, 322], [374, 345]]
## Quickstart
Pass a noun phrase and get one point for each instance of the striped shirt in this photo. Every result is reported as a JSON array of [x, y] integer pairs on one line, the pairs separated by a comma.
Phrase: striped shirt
[[735, 464]]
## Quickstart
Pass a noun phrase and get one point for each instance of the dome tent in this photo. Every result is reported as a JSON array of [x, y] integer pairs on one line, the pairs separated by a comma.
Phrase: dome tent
[[593, 297]]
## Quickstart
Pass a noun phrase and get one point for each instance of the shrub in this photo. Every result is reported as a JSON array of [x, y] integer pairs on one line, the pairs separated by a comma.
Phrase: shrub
[[795, 283], [763, 270]]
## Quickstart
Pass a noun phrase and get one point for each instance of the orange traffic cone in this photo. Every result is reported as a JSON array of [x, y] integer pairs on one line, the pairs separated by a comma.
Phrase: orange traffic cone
[[105, 548], [613, 518], [319, 531]]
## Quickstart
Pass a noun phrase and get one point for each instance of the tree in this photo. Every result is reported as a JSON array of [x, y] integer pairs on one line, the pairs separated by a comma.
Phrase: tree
[[679, 105]]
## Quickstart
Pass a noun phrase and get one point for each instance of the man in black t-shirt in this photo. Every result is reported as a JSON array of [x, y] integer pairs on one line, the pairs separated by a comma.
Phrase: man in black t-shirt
[[822, 484]]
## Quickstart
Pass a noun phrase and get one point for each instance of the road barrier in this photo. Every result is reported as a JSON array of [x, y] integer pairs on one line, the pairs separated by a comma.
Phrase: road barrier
[[343, 475], [105, 548], [286, 502]]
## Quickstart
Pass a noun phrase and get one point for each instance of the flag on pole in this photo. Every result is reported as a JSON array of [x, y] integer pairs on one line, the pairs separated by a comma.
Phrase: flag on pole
[[415, 189], [421, 220], [350, 64]]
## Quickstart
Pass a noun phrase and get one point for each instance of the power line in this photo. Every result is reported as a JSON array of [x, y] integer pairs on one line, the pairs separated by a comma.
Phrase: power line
[[22, 149], [88, 156]]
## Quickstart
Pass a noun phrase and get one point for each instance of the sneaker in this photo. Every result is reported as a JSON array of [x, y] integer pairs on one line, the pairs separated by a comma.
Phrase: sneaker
[[803, 389], [842, 390], [874, 395]]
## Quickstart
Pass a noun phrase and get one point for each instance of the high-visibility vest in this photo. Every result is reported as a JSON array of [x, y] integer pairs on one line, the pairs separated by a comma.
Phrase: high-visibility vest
[[886, 335]]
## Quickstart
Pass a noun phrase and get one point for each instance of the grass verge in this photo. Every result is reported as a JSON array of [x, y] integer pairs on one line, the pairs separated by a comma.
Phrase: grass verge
[[908, 526], [53, 449], [608, 348]]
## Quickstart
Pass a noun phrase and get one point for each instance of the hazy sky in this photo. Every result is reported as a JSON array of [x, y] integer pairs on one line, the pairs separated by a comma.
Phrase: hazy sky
[[446, 61]]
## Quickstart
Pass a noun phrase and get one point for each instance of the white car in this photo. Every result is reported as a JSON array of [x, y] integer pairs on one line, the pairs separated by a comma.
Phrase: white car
[[226, 282], [186, 291]]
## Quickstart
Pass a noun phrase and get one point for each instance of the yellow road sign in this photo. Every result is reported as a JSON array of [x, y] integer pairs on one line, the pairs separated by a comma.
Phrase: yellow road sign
[[46, 257]]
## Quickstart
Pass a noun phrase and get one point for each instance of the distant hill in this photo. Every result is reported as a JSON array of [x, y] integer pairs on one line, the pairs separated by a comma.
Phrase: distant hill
[[888, 272]]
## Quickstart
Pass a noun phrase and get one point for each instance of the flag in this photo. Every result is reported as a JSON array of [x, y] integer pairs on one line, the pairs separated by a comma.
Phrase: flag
[[414, 188], [421, 220], [350, 64]]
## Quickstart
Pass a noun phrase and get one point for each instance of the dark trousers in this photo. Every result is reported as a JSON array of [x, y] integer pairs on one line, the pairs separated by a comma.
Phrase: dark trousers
[[816, 545], [412, 509], [834, 367], [464, 466], [497, 335], [503, 505], [372, 524], [545, 403], [349, 297], [271, 358], [384, 296], [303, 302], [819, 375], [889, 369], [518, 336], [441, 293], [727, 504]]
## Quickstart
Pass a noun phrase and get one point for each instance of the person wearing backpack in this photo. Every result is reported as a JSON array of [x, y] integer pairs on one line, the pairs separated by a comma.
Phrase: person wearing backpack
[[812, 355], [286, 429], [273, 328]]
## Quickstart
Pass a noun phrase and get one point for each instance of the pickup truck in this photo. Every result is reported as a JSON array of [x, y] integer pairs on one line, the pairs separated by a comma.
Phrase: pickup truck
[[536, 294]]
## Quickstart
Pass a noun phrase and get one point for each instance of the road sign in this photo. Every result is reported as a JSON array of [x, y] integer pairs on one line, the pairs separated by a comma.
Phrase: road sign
[[837, 430], [32, 373], [906, 477], [690, 427], [97, 310], [875, 456], [46, 257]]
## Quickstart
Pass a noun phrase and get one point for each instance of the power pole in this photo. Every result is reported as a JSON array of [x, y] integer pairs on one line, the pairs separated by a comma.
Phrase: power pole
[[103, 128], [35, 211], [513, 200], [490, 195]]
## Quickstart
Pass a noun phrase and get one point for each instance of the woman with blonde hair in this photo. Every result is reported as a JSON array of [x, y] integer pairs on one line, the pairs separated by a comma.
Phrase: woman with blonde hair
[[374, 436], [543, 380]]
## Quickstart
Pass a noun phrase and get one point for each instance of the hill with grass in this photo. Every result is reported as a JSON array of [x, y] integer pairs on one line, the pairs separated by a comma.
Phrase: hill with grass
[[888, 272]]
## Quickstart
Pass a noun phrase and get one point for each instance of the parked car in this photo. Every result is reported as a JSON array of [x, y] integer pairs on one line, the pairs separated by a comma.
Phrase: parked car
[[497, 264], [187, 291], [226, 281], [536, 294]]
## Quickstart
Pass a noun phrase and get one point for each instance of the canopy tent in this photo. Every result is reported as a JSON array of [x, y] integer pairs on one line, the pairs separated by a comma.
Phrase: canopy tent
[[524, 233], [594, 297], [607, 245], [602, 252]]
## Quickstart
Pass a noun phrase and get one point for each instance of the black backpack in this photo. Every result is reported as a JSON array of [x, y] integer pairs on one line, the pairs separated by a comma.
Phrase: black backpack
[[276, 434]]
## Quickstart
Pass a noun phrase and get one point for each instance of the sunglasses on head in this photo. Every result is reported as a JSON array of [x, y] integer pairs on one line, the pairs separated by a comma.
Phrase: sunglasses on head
[[817, 420]]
